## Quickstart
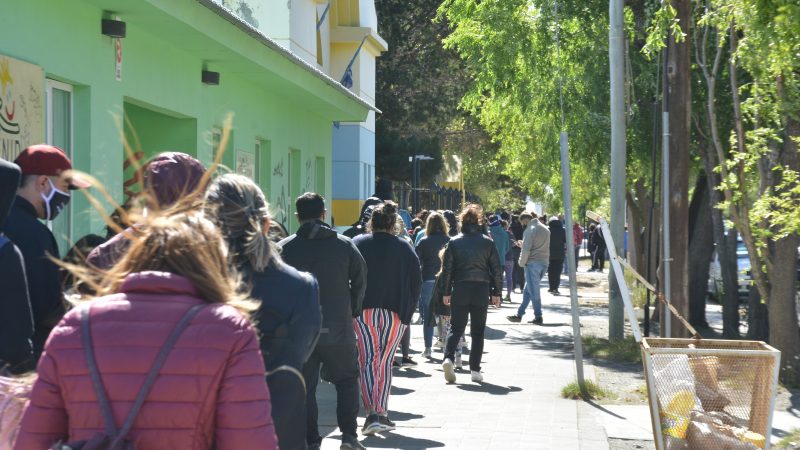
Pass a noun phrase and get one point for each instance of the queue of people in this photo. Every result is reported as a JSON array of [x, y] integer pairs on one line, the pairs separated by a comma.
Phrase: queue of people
[[241, 321]]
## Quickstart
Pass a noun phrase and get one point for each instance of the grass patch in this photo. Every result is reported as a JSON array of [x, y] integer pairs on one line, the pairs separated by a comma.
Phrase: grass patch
[[593, 391], [790, 441], [626, 350]]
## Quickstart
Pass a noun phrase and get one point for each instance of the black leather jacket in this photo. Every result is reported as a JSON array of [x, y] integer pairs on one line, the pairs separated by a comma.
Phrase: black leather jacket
[[471, 256]]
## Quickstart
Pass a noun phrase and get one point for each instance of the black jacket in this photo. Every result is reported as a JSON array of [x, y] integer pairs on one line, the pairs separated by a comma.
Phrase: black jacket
[[558, 240], [288, 319], [394, 279], [16, 320], [471, 256], [340, 271], [36, 242], [428, 254]]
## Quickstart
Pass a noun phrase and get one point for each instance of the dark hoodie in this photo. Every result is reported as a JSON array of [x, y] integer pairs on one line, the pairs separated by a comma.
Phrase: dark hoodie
[[341, 274], [16, 318], [360, 227], [558, 239]]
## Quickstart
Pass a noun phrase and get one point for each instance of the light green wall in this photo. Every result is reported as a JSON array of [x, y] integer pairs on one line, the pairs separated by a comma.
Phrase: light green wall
[[163, 55]]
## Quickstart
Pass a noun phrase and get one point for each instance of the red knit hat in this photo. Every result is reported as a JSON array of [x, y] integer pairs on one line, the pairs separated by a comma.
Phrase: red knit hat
[[43, 159]]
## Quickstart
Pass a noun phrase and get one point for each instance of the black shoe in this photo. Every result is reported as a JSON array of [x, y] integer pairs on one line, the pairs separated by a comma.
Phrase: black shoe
[[388, 425], [372, 425], [396, 363], [515, 318], [350, 442], [555, 292], [407, 361], [537, 321]]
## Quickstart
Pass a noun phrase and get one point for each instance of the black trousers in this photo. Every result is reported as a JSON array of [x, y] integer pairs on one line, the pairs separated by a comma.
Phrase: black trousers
[[340, 365], [470, 300], [554, 273], [289, 414], [600, 257], [519, 272]]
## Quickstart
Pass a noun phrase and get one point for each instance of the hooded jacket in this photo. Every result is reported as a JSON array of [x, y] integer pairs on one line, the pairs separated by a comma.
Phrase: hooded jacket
[[500, 237], [37, 245], [558, 239], [360, 227], [211, 391], [16, 318], [340, 271]]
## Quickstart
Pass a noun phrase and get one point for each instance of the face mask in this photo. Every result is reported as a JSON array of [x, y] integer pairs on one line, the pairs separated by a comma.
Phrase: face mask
[[55, 201]]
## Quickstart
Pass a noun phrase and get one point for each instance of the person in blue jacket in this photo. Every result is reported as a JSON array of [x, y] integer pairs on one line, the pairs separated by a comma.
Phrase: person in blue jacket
[[288, 318]]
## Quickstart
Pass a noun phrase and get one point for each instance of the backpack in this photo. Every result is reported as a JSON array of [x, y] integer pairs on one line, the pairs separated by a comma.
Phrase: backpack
[[113, 438]]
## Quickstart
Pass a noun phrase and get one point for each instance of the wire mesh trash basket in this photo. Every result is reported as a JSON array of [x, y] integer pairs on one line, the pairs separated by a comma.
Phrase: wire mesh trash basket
[[710, 394]]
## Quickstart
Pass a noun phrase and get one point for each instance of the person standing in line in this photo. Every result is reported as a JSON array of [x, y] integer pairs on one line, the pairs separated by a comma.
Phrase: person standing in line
[[518, 276], [535, 257], [16, 318], [577, 240], [591, 246], [428, 253], [43, 192], [558, 243], [499, 235], [471, 276], [509, 262], [342, 275], [288, 315], [405, 342], [600, 248], [173, 291], [393, 288]]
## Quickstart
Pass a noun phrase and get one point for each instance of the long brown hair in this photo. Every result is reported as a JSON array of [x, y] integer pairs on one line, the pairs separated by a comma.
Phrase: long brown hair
[[183, 244], [436, 224]]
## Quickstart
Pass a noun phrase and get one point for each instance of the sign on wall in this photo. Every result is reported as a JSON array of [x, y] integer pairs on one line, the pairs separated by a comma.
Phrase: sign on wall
[[246, 164], [21, 106]]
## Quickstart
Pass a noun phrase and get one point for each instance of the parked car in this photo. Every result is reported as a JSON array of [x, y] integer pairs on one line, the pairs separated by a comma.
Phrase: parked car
[[745, 278]]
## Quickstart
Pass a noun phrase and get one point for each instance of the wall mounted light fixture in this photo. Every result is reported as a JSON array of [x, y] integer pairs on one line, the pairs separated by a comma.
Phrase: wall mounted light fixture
[[210, 78], [113, 28]]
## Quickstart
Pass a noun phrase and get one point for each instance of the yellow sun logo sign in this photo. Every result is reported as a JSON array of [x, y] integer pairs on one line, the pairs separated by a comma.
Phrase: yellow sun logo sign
[[5, 75]]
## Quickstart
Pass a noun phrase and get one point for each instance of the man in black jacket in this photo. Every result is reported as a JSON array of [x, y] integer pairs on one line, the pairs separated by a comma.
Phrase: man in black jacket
[[16, 320], [341, 273], [42, 194], [558, 251]]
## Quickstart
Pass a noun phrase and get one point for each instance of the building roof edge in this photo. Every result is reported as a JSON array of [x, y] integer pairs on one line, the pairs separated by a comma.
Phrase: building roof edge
[[253, 32]]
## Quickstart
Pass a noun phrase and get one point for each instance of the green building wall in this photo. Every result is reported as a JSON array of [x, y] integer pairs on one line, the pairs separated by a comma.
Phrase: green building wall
[[275, 102]]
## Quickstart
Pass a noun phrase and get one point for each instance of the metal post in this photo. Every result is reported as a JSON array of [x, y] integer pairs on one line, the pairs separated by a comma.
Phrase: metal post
[[667, 322], [616, 324], [571, 263]]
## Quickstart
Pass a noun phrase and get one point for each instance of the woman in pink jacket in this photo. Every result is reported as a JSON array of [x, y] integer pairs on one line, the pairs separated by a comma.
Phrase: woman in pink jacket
[[210, 391]]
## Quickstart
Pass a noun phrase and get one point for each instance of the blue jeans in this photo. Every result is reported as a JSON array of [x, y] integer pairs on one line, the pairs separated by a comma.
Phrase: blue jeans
[[424, 300], [534, 272]]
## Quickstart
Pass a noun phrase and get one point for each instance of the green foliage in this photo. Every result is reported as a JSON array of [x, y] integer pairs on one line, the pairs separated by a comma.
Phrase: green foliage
[[790, 441], [593, 391], [662, 24], [626, 350]]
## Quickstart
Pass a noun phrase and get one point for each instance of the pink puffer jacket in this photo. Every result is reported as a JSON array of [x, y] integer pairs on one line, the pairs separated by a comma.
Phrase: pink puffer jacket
[[210, 393]]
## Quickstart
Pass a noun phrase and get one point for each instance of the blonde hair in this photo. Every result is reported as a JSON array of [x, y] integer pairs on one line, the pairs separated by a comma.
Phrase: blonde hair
[[183, 244], [436, 224], [238, 207]]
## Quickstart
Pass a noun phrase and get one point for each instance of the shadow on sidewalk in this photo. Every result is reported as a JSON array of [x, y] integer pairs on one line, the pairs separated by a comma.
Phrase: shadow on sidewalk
[[399, 416], [489, 388], [400, 391], [595, 405], [392, 440], [409, 373], [493, 334]]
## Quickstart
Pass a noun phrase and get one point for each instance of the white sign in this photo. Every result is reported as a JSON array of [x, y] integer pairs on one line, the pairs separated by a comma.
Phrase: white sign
[[246, 164], [21, 106]]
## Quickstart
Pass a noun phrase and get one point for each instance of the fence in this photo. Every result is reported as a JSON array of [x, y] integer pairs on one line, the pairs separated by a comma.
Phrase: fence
[[434, 196]]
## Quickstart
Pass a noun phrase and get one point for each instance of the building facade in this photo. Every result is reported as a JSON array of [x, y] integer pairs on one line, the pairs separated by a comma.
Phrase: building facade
[[63, 81]]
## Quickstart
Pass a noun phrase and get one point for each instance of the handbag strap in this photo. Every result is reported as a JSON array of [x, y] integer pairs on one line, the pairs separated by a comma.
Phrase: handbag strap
[[105, 407]]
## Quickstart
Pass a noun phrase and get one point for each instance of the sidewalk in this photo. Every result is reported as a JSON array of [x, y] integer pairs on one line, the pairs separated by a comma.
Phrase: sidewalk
[[517, 407]]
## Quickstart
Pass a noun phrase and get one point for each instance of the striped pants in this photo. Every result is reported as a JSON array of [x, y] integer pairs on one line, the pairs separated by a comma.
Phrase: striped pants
[[378, 332]]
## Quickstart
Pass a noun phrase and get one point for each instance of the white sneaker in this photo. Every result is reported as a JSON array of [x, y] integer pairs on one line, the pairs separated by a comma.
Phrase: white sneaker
[[427, 353], [458, 361], [438, 344], [477, 377], [449, 372]]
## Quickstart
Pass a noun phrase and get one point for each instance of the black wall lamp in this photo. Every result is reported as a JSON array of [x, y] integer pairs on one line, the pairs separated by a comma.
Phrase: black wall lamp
[[210, 78], [113, 28]]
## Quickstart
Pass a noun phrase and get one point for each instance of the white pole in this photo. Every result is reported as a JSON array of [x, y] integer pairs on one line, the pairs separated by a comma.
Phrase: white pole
[[667, 323], [616, 49], [571, 263]]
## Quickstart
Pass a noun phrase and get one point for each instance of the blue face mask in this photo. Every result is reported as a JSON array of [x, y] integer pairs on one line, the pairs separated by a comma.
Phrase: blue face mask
[[55, 201]]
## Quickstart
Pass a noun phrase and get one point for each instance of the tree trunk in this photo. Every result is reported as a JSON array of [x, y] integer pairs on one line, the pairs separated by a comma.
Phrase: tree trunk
[[757, 319], [729, 268], [680, 109], [702, 244]]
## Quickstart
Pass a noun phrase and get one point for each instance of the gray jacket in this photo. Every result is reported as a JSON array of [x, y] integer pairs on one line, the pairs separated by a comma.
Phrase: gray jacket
[[535, 244]]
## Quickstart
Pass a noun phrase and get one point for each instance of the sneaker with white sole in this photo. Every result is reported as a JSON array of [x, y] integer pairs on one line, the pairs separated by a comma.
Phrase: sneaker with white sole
[[477, 377], [449, 371], [458, 361], [427, 353], [372, 425], [350, 442]]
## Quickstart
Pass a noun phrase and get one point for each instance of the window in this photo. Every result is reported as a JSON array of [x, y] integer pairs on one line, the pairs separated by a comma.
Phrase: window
[[59, 133]]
